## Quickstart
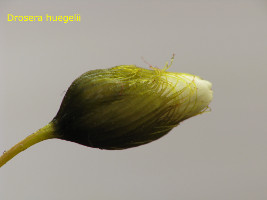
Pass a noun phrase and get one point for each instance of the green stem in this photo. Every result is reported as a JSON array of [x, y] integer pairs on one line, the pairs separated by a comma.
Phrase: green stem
[[47, 132]]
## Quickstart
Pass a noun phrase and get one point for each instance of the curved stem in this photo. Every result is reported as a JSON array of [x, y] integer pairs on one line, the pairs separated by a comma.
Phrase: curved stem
[[47, 132]]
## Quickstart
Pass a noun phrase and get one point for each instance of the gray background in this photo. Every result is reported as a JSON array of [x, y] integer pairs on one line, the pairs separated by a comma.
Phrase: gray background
[[221, 155]]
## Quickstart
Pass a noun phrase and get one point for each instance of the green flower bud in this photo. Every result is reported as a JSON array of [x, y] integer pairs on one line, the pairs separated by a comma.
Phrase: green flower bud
[[127, 106], [122, 107]]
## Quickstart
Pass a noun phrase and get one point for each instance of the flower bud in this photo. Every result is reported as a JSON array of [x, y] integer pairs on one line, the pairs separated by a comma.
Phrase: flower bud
[[127, 106]]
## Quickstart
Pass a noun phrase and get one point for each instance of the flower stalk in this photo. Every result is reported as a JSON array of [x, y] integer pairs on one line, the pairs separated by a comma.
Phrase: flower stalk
[[42, 134]]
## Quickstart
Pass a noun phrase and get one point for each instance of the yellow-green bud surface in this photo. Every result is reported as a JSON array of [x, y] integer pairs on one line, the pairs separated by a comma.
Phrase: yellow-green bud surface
[[127, 106]]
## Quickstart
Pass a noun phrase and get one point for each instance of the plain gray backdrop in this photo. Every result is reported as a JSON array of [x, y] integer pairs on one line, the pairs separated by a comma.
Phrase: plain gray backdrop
[[221, 155]]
